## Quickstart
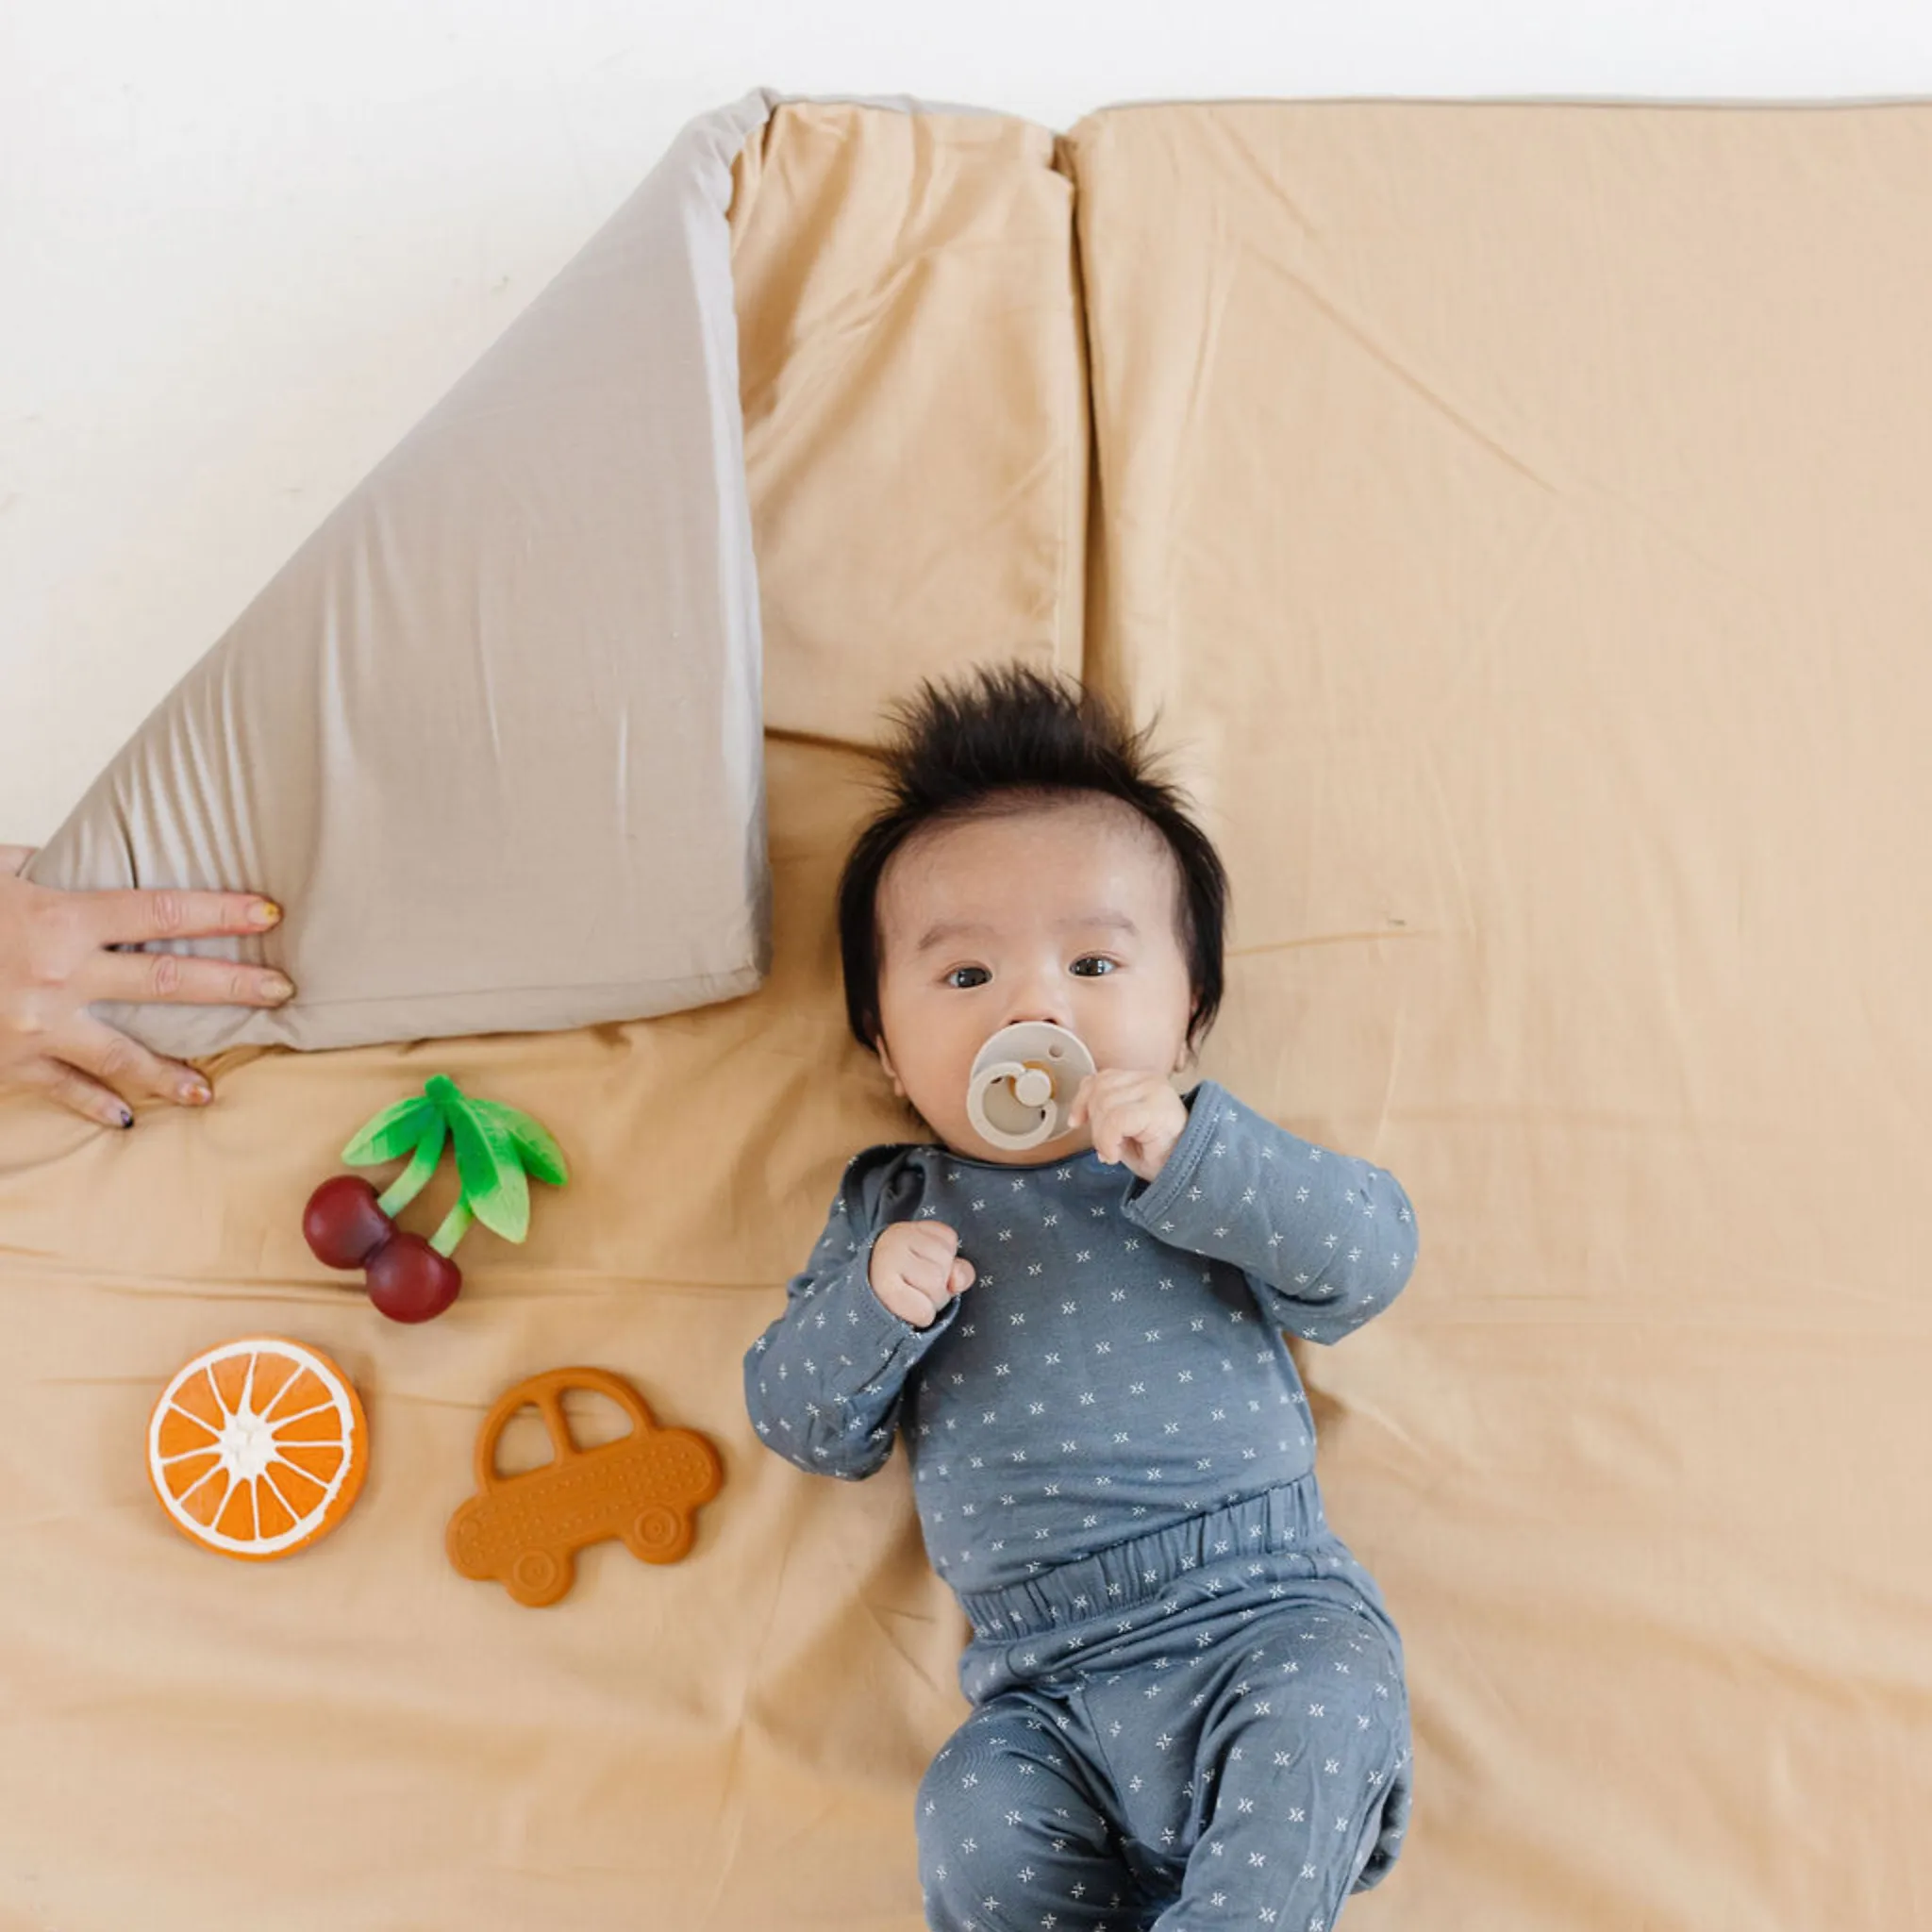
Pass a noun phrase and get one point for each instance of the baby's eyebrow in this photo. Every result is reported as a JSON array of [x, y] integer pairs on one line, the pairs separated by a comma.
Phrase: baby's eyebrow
[[945, 929], [941, 930]]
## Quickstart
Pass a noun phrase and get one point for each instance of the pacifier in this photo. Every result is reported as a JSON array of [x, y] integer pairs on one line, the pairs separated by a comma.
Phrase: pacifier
[[1023, 1084]]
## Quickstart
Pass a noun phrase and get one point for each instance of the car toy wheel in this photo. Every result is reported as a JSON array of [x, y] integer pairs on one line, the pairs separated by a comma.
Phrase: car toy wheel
[[539, 1578], [658, 1535]]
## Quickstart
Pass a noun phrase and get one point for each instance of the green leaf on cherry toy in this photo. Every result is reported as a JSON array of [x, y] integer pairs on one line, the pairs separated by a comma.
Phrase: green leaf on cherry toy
[[393, 1132], [540, 1153], [497, 1147], [494, 1187]]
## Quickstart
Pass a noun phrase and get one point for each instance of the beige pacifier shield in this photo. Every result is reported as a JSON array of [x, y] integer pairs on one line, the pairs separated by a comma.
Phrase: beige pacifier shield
[[1023, 1084]]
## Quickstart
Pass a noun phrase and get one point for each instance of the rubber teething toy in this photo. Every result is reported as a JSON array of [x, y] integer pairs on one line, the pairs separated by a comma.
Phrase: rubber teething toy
[[523, 1531], [1023, 1084], [497, 1148], [257, 1448]]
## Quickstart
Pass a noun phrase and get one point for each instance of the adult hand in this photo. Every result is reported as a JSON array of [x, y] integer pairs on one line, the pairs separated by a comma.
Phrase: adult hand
[[54, 962]]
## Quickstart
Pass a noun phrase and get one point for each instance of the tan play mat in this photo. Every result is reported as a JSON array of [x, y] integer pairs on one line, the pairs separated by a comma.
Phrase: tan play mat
[[1517, 516], [1519, 512]]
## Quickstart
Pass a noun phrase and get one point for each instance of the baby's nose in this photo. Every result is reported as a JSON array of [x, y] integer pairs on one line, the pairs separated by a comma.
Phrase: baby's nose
[[1037, 987], [1039, 1005]]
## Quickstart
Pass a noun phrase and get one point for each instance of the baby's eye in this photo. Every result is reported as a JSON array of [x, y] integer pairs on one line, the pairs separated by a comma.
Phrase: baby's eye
[[1092, 965], [962, 976]]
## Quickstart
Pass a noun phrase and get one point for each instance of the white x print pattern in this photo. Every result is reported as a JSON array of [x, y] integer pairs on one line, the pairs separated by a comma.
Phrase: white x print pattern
[[1118, 1364]]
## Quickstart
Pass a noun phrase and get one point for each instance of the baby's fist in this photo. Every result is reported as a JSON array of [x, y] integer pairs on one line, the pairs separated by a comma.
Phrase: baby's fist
[[1135, 1117], [916, 1269]]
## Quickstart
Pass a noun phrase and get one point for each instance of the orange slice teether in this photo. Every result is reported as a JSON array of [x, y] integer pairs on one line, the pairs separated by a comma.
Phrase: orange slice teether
[[257, 1448]]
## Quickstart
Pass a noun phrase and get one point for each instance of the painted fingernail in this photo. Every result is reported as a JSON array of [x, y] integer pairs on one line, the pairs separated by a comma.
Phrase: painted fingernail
[[195, 1092], [275, 988], [127, 1118], [264, 912]]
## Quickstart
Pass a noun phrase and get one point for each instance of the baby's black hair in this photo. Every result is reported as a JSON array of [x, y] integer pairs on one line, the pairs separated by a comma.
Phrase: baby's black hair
[[1004, 737]]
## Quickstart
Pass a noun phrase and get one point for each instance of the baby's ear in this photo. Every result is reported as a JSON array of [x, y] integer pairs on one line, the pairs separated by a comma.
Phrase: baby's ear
[[878, 1046]]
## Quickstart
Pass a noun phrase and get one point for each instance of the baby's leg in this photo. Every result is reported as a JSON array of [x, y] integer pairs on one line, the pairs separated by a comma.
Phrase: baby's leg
[[1014, 1833], [1299, 1751]]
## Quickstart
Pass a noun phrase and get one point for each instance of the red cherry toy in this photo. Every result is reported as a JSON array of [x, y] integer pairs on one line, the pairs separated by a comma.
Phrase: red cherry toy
[[343, 1224], [347, 1225], [408, 1281]]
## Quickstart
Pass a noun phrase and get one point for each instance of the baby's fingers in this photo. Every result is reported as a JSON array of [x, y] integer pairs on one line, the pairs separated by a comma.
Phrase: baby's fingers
[[933, 1240], [906, 1301], [1124, 1123], [930, 1275], [926, 1296]]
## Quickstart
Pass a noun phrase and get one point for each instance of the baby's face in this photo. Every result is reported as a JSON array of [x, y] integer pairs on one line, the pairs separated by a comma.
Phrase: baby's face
[[1064, 911]]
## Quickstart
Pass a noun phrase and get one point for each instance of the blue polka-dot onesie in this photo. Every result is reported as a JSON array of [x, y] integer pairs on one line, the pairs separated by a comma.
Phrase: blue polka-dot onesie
[[1189, 1706]]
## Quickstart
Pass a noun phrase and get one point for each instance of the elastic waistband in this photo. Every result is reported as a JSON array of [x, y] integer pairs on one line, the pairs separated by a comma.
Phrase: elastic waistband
[[1285, 1519]]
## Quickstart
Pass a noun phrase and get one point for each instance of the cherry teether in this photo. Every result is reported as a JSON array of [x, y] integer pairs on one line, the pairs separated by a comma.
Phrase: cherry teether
[[1023, 1084]]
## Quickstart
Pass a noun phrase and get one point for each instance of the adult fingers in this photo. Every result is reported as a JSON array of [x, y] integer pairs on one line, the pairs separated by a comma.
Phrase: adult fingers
[[75, 1092], [181, 979], [90, 1046], [127, 916]]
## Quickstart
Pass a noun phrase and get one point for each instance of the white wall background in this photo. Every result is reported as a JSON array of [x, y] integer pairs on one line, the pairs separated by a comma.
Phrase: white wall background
[[246, 243]]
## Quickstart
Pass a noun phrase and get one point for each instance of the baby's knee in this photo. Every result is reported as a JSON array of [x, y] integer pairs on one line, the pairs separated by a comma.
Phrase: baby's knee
[[957, 1848], [1004, 1825]]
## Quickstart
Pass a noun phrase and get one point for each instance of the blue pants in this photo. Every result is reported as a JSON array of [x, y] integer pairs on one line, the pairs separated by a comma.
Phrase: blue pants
[[1227, 1744]]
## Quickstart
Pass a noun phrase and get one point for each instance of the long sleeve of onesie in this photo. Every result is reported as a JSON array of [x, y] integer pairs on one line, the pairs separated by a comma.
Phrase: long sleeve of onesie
[[1326, 1240], [824, 1381]]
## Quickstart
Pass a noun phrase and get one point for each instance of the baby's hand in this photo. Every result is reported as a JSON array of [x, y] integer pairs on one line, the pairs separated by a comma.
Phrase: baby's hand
[[916, 1269], [1137, 1118]]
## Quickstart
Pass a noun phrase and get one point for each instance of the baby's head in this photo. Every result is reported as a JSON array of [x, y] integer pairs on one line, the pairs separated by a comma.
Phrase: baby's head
[[1027, 864]]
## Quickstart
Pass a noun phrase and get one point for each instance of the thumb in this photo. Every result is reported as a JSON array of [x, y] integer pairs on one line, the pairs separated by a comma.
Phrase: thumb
[[960, 1279]]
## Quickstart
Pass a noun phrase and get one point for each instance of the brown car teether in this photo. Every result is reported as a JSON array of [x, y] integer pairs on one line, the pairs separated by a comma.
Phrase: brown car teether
[[523, 1530]]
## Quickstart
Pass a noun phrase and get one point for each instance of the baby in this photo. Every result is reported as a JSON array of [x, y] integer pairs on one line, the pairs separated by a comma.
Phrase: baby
[[1189, 1701]]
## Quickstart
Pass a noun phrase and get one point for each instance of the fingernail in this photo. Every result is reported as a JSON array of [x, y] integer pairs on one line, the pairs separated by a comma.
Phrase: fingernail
[[195, 1092], [277, 987], [264, 912], [127, 1118]]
